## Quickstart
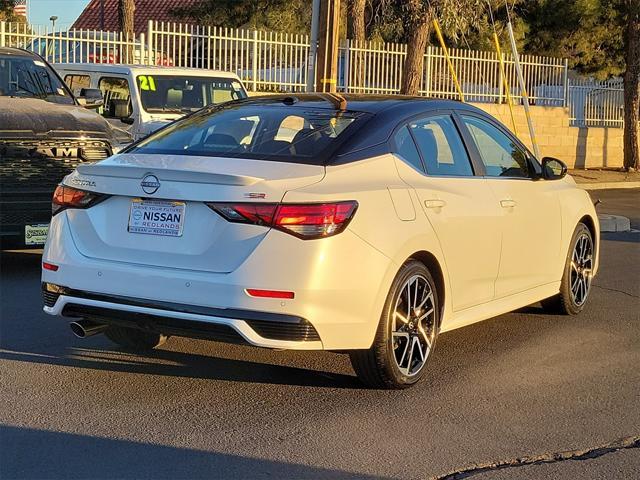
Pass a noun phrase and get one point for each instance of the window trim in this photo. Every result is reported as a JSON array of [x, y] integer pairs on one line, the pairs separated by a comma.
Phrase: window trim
[[535, 169], [477, 169]]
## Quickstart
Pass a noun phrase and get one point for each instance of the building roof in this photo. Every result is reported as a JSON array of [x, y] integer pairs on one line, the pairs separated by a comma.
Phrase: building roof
[[145, 10]]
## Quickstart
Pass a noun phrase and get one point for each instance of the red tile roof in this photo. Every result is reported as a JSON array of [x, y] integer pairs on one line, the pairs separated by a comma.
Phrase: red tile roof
[[145, 10]]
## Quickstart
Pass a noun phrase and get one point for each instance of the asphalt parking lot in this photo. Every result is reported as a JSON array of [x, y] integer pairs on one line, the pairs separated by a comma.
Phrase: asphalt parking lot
[[523, 385]]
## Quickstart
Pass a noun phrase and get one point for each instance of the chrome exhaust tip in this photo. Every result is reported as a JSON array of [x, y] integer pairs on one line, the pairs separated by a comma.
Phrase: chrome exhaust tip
[[86, 328]]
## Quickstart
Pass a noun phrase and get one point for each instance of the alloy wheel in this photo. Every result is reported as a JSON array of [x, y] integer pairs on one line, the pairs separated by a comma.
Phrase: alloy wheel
[[413, 327], [581, 268]]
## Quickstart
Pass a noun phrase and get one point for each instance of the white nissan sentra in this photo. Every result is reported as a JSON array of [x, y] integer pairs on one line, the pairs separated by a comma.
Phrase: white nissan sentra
[[319, 222]]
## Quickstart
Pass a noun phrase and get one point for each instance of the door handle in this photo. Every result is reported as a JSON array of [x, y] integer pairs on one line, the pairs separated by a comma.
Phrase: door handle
[[436, 203], [508, 203]]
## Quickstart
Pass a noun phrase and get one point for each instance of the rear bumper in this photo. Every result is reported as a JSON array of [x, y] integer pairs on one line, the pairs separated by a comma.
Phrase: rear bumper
[[261, 329], [339, 284]]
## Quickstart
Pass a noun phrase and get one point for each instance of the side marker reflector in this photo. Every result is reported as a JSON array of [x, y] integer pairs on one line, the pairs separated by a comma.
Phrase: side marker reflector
[[50, 266], [253, 292]]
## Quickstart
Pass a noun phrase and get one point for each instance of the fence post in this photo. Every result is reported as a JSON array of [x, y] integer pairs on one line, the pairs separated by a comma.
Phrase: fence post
[[427, 80], [501, 79], [565, 81], [2, 32], [345, 65], [254, 62], [143, 57], [150, 60]]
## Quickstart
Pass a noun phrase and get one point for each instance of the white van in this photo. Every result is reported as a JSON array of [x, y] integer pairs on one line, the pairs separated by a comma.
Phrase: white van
[[142, 99]]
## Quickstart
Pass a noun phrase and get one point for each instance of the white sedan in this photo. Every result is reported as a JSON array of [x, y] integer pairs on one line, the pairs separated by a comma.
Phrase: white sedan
[[360, 224]]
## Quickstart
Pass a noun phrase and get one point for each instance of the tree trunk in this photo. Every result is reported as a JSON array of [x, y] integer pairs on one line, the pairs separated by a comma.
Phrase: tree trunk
[[126, 9], [355, 20], [356, 33], [414, 61], [632, 93]]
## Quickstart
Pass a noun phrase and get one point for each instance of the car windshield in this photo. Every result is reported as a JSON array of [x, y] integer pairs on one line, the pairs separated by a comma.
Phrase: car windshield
[[30, 77], [176, 94], [255, 131]]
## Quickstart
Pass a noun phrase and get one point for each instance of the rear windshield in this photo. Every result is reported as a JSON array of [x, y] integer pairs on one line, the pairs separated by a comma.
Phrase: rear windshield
[[263, 132]]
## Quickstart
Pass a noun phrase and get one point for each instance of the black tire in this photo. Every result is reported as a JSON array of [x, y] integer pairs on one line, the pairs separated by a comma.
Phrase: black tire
[[134, 339], [378, 366], [565, 302]]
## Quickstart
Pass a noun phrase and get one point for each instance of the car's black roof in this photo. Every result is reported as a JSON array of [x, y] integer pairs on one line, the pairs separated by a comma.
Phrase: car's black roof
[[17, 52]]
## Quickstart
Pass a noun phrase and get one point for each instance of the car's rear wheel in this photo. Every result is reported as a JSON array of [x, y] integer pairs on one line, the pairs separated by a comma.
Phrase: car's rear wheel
[[406, 333], [134, 339], [577, 276]]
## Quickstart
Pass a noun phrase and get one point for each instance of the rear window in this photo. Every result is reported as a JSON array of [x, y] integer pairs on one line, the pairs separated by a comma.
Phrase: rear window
[[263, 132]]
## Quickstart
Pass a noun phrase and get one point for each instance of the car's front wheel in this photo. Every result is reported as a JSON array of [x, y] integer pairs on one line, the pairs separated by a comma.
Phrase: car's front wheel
[[406, 333], [134, 339], [578, 273]]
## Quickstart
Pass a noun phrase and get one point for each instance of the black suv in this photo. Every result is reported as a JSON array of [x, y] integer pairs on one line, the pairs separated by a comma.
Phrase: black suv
[[44, 133]]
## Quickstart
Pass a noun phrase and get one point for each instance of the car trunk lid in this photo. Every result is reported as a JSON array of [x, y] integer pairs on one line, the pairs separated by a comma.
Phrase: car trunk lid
[[206, 242]]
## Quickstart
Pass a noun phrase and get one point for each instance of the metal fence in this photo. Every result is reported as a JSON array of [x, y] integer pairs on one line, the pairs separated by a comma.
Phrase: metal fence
[[368, 67], [596, 104], [270, 61], [83, 46], [266, 61]]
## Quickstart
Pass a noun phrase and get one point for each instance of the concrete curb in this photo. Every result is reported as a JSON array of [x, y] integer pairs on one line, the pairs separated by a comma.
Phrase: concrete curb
[[608, 185], [613, 223]]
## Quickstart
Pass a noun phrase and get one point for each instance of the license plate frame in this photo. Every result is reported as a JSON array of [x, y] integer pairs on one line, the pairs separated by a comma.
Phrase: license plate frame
[[31, 236], [142, 218]]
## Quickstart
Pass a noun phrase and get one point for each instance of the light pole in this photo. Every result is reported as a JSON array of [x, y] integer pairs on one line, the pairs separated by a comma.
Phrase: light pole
[[53, 19]]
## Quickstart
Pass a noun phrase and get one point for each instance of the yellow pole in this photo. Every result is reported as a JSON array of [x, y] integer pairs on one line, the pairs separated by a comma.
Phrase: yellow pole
[[446, 54], [505, 82]]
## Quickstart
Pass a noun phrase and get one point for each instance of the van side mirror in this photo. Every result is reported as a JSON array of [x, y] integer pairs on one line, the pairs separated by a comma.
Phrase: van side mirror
[[553, 169], [90, 98], [128, 120]]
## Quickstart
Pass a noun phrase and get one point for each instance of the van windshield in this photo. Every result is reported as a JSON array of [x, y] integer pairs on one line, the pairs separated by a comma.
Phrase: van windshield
[[29, 77], [175, 94], [262, 132]]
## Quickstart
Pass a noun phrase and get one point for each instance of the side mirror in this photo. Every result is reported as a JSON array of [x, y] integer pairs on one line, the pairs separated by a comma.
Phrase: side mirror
[[553, 169], [90, 98], [127, 120]]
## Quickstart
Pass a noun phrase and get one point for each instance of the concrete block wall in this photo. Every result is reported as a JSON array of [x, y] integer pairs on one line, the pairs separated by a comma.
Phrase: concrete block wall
[[578, 147]]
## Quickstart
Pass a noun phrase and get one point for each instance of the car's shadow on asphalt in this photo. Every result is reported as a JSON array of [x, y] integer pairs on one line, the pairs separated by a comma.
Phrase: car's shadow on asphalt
[[180, 364]]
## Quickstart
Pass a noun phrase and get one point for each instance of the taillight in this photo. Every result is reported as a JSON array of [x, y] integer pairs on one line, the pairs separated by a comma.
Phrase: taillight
[[68, 197], [304, 220]]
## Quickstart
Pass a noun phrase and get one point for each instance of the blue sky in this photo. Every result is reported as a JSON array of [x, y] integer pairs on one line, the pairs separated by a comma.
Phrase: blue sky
[[66, 10]]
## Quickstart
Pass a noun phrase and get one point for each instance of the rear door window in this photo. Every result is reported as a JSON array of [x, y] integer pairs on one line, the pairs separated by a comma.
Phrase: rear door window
[[441, 147]]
